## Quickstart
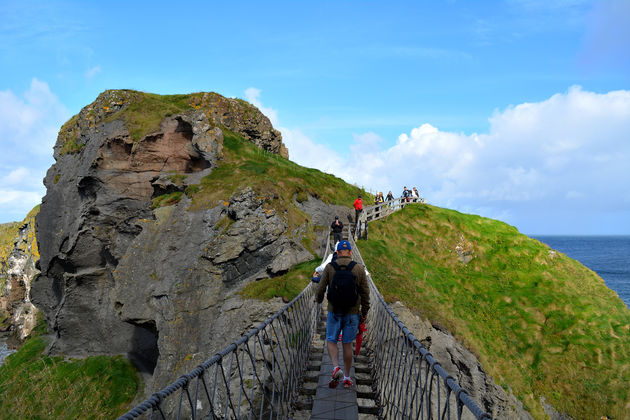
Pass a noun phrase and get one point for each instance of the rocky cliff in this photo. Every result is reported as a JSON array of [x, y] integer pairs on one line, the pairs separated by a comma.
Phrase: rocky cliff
[[158, 211], [17, 270]]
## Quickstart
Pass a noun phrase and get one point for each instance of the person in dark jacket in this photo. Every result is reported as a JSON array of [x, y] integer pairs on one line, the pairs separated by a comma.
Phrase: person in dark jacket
[[406, 194], [344, 322], [337, 228]]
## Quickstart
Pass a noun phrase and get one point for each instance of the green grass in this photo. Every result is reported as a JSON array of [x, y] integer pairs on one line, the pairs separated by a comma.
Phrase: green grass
[[35, 386], [68, 135], [273, 178], [167, 199], [543, 324], [71, 146], [286, 286], [144, 115], [8, 233]]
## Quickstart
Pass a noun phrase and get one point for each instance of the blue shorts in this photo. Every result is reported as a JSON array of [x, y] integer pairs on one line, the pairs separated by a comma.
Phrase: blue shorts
[[336, 323]]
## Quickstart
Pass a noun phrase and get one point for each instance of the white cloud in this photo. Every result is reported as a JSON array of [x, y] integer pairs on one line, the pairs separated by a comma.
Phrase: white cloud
[[28, 130], [92, 72], [15, 177], [544, 167], [30, 123], [570, 150], [18, 203], [304, 151], [252, 95]]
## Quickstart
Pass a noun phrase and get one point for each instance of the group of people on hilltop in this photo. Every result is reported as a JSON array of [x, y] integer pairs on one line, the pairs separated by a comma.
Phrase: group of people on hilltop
[[410, 196]]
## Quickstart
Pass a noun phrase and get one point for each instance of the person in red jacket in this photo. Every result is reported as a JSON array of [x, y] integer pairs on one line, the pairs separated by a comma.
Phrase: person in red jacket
[[358, 208]]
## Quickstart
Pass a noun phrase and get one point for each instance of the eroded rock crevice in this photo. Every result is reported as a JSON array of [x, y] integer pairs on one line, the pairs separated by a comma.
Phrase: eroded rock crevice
[[144, 353]]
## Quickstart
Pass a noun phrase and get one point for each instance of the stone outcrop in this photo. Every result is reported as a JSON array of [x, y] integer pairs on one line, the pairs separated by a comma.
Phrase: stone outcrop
[[17, 271], [460, 363], [158, 284]]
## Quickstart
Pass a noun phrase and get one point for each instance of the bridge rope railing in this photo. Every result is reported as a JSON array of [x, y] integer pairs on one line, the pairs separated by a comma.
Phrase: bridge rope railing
[[408, 381], [255, 377]]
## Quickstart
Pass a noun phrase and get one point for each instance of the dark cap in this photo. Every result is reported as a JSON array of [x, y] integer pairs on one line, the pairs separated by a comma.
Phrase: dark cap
[[336, 217]]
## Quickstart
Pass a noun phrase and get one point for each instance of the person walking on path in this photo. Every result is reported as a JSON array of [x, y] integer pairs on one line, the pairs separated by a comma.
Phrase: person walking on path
[[358, 208], [390, 196], [406, 194], [348, 305], [414, 195], [337, 228]]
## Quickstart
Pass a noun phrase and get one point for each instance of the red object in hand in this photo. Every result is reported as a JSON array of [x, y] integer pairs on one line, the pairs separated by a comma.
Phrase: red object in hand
[[362, 329]]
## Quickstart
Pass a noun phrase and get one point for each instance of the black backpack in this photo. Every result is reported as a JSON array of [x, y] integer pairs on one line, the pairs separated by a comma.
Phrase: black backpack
[[342, 291]]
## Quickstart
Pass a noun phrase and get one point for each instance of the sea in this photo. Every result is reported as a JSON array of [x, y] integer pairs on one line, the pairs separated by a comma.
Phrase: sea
[[608, 256]]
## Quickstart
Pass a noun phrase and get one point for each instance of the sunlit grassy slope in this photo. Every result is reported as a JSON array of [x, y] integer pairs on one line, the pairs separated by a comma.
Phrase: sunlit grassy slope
[[34, 386], [540, 322]]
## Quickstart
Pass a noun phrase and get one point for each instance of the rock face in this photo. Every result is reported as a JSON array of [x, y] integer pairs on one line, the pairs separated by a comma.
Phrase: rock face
[[17, 313], [119, 276], [460, 363]]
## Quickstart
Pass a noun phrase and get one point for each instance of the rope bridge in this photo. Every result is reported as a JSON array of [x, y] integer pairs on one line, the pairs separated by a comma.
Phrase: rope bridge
[[259, 375]]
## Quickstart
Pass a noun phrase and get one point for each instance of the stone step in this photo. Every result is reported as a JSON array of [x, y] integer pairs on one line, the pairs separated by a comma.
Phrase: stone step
[[362, 358], [358, 368], [311, 376], [316, 354], [361, 375], [314, 365], [367, 406], [304, 415], [304, 402], [367, 382], [365, 391], [308, 388], [368, 395]]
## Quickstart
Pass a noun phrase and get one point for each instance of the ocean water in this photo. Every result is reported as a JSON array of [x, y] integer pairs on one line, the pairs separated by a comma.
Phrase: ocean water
[[608, 256]]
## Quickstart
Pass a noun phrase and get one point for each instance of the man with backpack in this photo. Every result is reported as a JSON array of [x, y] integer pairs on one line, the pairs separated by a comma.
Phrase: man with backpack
[[348, 305]]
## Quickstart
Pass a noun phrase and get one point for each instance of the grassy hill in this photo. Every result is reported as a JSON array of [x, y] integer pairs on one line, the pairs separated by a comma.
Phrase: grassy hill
[[540, 322]]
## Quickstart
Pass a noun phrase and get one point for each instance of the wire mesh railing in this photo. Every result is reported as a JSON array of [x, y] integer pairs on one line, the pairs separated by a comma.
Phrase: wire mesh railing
[[409, 382], [256, 377]]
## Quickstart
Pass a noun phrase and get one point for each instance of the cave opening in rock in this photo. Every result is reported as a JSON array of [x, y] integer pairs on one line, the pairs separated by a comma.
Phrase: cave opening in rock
[[144, 352]]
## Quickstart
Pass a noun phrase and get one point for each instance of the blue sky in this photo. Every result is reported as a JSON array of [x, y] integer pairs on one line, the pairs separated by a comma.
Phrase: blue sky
[[517, 110]]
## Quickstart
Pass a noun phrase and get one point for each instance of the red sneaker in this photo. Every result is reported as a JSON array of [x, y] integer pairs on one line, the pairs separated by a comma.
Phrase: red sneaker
[[347, 383], [336, 376]]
